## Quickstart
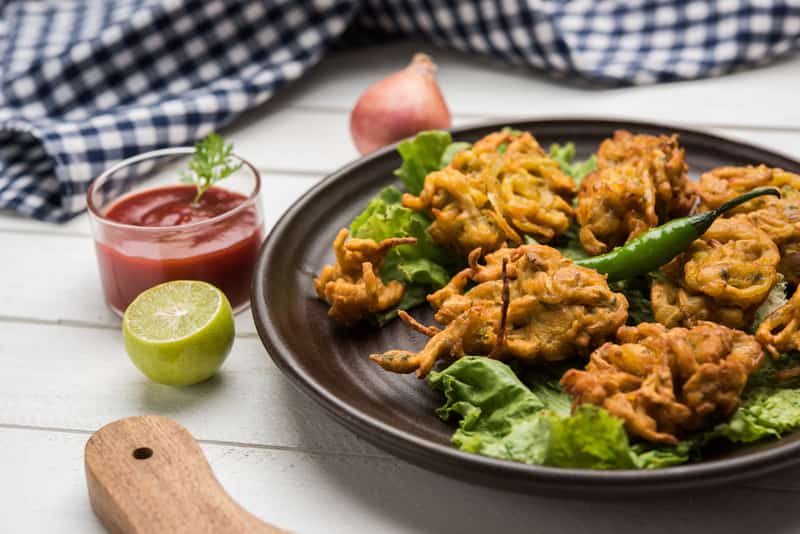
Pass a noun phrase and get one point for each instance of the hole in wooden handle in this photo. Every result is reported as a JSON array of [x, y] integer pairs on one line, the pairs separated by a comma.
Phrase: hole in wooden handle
[[142, 453]]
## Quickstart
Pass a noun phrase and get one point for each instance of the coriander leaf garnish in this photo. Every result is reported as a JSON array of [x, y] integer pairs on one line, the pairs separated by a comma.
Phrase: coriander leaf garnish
[[211, 163]]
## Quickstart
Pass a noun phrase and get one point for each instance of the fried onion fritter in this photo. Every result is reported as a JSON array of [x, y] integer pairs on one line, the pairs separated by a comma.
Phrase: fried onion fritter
[[503, 187], [674, 305], [722, 277], [663, 382], [614, 204], [553, 310], [353, 286], [780, 330], [663, 160], [733, 262], [641, 181], [779, 218]]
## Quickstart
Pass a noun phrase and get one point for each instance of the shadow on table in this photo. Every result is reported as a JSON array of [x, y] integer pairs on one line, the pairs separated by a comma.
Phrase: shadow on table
[[170, 400], [412, 499]]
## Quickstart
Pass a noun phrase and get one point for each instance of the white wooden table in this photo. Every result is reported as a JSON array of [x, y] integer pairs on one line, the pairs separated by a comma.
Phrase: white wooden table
[[64, 373]]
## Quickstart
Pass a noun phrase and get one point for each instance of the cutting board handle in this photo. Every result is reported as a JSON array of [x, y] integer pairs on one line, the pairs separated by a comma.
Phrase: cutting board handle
[[147, 474]]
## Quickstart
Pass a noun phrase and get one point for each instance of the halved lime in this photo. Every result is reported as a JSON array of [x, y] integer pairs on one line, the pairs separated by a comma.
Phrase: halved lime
[[180, 332]]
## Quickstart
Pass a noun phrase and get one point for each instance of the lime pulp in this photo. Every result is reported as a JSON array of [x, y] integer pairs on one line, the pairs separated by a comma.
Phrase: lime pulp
[[179, 332]]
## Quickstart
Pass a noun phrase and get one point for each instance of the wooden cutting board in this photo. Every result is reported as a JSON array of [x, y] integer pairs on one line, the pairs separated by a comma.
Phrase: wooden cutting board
[[147, 474]]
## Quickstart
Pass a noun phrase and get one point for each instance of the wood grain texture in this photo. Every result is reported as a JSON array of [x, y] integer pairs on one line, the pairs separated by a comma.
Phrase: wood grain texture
[[80, 378], [146, 474], [310, 493]]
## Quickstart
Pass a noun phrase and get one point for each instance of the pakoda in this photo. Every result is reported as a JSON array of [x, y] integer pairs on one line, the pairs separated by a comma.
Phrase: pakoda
[[614, 204], [663, 382], [674, 305], [492, 194], [779, 218], [780, 330], [723, 277], [353, 286], [641, 181], [529, 303]]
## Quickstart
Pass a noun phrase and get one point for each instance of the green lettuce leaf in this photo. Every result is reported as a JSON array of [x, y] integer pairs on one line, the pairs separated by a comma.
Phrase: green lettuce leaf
[[591, 439], [569, 243], [424, 154], [648, 456], [764, 413], [451, 151], [499, 415], [544, 384], [423, 267], [565, 155], [503, 418]]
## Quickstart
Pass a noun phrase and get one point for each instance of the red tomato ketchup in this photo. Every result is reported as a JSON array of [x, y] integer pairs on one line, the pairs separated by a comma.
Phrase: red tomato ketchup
[[161, 236]]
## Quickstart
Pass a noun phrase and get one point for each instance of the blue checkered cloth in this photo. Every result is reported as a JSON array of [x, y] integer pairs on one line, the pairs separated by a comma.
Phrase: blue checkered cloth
[[87, 83]]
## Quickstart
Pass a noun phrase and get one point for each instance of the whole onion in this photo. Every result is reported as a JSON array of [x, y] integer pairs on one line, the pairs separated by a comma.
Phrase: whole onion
[[399, 106]]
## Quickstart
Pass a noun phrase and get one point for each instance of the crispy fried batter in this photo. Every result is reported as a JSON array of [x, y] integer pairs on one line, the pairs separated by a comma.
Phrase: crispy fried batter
[[674, 305], [778, 217], [615, 204], [353, 286], [664, 382], [641, 181], [486, 198], [780, 330], [663, 159], [722, 277], [734, 262], [555, 310]]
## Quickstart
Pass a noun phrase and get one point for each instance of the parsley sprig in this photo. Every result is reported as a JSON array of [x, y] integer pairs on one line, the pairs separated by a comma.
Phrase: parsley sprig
[[211, 163]]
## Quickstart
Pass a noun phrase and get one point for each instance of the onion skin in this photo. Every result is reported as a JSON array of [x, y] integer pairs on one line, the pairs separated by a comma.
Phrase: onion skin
[[399, 106]]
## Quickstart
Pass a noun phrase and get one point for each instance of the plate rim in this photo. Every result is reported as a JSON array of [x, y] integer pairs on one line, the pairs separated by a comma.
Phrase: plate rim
[[445, 458]]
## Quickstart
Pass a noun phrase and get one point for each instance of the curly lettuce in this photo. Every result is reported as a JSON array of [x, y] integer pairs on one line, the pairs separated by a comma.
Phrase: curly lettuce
[[427, 152], [423, 267], [565, 156], [764, 413], [501, 417]]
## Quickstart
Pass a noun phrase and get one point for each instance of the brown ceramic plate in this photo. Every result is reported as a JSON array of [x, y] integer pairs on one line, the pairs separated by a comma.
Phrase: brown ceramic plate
[[396, 412]]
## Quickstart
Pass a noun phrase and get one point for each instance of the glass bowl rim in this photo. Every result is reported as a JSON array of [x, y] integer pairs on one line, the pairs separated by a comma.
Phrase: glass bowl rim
[[170, 151]]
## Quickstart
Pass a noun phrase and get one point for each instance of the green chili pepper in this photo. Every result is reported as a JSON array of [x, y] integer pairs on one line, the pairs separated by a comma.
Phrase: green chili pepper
[[659, 245]]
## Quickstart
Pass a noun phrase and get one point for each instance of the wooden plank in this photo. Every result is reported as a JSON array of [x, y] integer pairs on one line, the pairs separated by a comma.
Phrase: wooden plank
[[133, 462], [760, 97], [281, 138], [81, 378], [54, 278], [332, 494]]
